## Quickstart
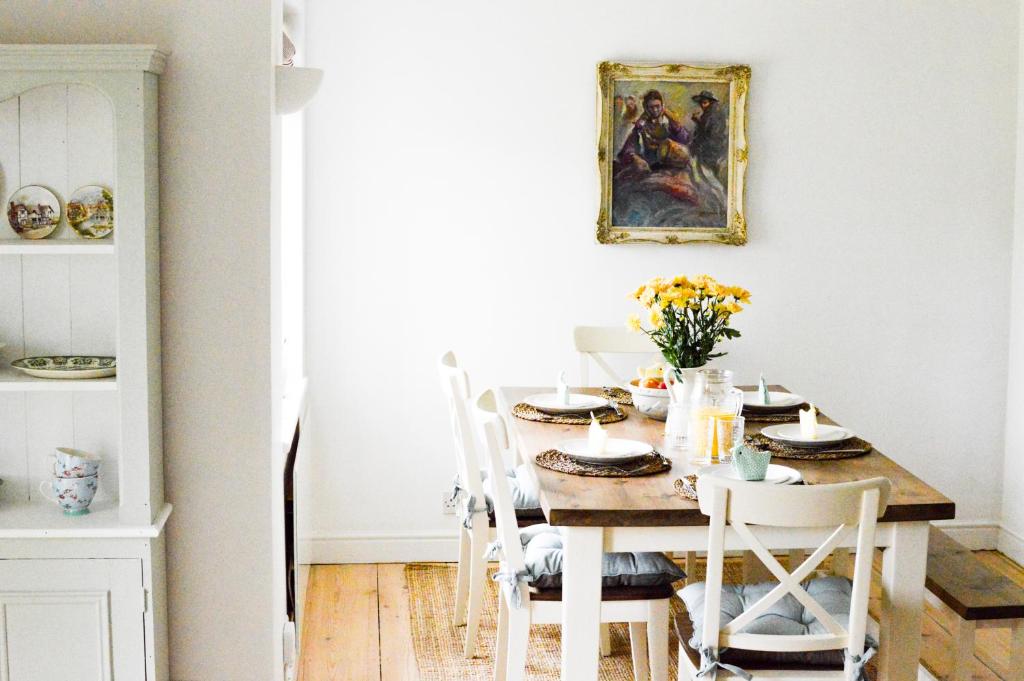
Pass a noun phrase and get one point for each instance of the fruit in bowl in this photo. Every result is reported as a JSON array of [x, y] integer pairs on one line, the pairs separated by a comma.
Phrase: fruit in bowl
[[650, 395]]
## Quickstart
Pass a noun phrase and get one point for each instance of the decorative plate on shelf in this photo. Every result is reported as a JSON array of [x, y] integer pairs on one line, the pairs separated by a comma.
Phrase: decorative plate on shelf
[[33, 212], [91, 211], [65, 366]]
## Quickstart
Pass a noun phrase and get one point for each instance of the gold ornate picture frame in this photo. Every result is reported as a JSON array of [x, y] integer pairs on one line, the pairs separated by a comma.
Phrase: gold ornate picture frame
[[672, 153]]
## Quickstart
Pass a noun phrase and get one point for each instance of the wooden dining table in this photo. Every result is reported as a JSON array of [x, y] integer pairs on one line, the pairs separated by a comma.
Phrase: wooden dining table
[[597, 515]]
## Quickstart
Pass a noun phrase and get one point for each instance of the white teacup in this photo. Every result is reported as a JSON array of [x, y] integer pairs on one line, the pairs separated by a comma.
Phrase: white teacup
[[73, 495], [74, 463]]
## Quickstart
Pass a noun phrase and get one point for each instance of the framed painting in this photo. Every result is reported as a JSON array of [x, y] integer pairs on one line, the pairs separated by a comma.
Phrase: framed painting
[[672, 153]]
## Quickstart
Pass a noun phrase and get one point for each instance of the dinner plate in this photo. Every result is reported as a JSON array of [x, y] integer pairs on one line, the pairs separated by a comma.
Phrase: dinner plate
[[776, 475], [617, 450], [780, 401], [578, 403], [789, 433]]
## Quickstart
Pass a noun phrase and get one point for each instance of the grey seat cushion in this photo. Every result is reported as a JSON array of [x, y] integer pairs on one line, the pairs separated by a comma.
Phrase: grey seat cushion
[[786, 617], [524, 492], [543, 550]]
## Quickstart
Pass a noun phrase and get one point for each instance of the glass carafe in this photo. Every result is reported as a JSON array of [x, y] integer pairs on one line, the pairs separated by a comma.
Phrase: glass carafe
[[717, 400]]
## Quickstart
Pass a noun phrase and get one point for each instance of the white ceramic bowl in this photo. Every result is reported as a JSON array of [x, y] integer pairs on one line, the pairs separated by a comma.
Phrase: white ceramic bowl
[[651, 402]]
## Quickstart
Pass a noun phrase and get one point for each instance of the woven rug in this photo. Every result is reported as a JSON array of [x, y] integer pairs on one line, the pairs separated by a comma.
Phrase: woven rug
[[438, 643]]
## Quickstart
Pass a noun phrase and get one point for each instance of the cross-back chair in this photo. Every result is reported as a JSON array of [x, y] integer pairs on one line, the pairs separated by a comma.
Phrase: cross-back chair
[[592, 342], [742, 510], [646, 609]]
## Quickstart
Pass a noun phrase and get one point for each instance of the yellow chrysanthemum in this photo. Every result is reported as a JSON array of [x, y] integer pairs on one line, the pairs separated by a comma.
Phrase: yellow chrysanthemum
[[733, 307], [639, 292], [647, 297], [682, 281], [657, 321], [633, 323]]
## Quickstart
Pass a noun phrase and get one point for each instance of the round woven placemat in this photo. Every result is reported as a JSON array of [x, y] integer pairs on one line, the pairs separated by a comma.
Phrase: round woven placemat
[[686, 487], [620, 395], [528, 413], [846, 450], [554, 460], [778, 417]]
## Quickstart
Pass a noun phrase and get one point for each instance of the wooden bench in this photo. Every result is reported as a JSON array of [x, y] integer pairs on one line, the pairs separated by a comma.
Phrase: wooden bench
[[975, 597]]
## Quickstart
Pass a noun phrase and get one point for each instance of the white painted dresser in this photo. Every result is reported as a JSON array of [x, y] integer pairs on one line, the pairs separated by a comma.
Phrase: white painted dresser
[[82, 597]]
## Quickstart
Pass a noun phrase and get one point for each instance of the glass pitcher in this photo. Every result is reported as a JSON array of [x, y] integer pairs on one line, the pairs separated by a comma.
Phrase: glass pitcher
[[718, 400]]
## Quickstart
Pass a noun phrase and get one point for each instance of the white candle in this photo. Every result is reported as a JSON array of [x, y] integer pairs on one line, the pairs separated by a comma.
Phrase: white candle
[[809, 423]]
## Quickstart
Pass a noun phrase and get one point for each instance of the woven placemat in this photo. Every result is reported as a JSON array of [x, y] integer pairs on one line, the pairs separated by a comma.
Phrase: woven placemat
[[686, 487], [604, 415], [620, 395], [847, 450], [554, 460], [776, 417]]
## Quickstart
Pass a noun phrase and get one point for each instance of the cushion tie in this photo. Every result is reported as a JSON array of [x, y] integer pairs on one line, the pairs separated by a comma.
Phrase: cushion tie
[[709, 666], [493, 549], [857, 662], [456, 488], [512, 580], [471, 510]]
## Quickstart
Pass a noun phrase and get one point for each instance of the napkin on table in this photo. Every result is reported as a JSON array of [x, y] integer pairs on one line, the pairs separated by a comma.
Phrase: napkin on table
[[562, 388], [809, 423], [597, 437]]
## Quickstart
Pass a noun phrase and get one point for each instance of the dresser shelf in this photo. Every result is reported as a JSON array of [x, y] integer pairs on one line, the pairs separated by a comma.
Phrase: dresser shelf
[[41, 519], [56, 247], [15, 381]]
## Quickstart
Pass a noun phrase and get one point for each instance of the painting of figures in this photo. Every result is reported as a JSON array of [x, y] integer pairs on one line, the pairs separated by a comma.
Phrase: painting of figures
[[672, 153]]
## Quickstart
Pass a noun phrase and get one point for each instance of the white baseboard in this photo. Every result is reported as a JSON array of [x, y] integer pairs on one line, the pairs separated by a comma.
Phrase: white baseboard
[[395, 548], [1011, 545], [977, 535]]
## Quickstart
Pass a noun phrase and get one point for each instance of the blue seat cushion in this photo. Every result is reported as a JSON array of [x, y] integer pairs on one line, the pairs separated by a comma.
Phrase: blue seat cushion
[[543, 550], [786, 617]]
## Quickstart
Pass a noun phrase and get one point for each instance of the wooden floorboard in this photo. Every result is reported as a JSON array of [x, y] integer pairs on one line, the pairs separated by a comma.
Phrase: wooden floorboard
[[341, 638], [357, 626], [397, 658]]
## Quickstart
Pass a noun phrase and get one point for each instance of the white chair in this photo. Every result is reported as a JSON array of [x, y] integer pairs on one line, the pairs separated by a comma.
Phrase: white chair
[[646, 609], [475, 526], [592, 341], [830, 511]]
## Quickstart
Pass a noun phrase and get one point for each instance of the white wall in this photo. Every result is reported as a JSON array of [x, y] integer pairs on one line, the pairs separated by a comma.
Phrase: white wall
[[1011, 540], [453, 194], [216, 191]]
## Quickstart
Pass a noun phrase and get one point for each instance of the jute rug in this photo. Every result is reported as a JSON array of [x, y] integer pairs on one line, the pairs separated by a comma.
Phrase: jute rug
[[438, 643]]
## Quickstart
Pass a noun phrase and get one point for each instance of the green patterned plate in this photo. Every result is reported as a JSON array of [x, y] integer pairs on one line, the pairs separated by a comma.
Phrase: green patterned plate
[[67, 366]]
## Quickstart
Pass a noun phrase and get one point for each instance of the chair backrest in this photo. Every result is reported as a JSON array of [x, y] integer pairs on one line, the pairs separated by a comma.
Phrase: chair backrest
[[847, 507], [592, 341], [494, 435], [455, 385]]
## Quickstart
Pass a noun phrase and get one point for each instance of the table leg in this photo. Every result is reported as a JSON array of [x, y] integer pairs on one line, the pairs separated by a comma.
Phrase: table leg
[[581, 602], [903, 573]]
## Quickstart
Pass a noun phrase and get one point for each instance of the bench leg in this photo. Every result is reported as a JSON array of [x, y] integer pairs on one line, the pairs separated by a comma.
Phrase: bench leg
[[963, 650], [1016, 668]]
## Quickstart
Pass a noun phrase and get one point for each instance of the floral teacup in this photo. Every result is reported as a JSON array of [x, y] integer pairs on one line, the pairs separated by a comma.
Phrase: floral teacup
[[74, 463], [73, 495]]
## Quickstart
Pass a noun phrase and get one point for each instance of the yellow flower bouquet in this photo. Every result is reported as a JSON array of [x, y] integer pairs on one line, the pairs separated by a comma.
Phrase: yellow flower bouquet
[[688, 317]]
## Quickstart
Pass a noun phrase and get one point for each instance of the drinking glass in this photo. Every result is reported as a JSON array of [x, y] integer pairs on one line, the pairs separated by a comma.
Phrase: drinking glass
[[728, 435]]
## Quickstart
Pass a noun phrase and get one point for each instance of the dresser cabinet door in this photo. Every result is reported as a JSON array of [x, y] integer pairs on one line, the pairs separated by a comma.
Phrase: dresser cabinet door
[[71, 619]]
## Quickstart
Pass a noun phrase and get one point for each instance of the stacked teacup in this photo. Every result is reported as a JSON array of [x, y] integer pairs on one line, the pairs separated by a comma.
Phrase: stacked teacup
[[75, 479]]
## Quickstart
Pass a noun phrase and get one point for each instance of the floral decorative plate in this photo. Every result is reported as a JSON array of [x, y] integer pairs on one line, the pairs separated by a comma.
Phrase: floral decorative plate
[[33, 212], [91, 211], [64, 366]]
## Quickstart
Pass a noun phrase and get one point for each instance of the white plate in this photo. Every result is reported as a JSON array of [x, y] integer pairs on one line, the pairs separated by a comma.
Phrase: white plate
[[779, 401], [790, 434], [776, 475], [578, 403], [616, 451]]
